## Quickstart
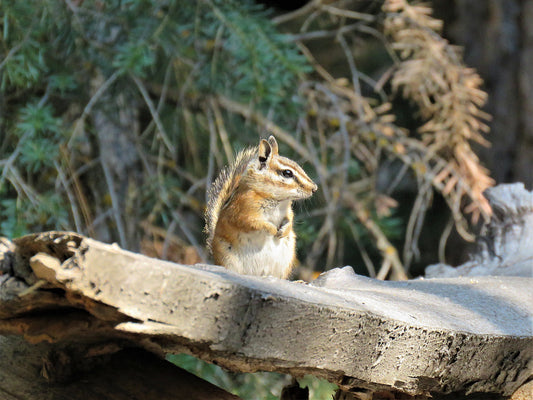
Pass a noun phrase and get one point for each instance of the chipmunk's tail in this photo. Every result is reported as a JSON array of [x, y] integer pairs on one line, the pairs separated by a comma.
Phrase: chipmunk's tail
[[223, 188]]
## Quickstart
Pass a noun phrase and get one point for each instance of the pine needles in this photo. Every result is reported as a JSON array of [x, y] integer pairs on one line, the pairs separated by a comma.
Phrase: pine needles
[[449, 99], [183, 85]]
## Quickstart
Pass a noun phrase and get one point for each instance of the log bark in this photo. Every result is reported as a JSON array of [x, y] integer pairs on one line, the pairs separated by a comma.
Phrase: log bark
[[95, 372], [416, 337]]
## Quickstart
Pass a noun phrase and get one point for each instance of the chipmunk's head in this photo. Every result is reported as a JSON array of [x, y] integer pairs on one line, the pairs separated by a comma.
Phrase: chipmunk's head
[[278, 177]]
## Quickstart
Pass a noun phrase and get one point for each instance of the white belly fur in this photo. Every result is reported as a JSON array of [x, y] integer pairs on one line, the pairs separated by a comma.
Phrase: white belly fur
[[262, 254]]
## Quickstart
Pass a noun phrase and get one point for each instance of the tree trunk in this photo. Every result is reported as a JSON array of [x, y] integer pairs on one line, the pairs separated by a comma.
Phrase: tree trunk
[[498, 39], [115, 120]]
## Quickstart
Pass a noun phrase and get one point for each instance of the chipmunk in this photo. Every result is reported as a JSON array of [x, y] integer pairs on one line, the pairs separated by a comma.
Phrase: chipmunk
[[249, 212]]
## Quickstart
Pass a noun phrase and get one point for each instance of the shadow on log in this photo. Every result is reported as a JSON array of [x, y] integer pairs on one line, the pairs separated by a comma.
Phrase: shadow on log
[[95, 372], [85, 303]]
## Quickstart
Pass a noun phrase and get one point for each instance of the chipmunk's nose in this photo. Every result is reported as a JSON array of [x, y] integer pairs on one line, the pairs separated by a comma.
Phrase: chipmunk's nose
[[314, 189]]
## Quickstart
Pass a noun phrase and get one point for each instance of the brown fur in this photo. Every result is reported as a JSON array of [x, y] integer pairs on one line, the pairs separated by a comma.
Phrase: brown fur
[[250, 204]]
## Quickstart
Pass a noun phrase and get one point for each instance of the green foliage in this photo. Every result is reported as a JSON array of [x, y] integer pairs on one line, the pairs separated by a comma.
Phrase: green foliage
[[46, 211], [319, 389], [253, 45], [23, 56], [38, 154], [27, 184], [37, 120], [51, 49], [257, 386], [237, 52], [134, 58]]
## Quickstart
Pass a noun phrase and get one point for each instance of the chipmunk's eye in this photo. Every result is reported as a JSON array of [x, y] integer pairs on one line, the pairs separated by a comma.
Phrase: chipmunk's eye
[[287, 173]]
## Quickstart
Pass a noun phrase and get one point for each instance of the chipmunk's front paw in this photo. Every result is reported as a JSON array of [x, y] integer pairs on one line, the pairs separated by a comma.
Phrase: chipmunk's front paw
[[284, 229]]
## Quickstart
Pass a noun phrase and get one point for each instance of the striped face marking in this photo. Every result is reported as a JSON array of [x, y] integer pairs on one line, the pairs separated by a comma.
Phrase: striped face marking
[[277, 177]]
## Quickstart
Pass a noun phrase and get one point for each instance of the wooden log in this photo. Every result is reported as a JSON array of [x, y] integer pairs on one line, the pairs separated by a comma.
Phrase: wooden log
[[469, 334], [416, 337]]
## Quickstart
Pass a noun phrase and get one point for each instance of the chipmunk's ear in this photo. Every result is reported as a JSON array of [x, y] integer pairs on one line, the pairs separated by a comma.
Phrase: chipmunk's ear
[[265, 152], [273, 144]]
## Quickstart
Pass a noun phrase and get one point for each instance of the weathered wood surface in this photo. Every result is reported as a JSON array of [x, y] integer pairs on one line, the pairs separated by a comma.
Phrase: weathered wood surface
[[440, 335], [449, 335]]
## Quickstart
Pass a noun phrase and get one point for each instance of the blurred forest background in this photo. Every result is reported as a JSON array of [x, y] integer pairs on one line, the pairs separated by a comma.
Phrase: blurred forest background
[[116, 116]]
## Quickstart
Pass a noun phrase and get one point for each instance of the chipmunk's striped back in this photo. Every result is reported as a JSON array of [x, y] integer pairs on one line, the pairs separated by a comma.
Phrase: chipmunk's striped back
[[224, 186]]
